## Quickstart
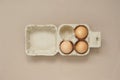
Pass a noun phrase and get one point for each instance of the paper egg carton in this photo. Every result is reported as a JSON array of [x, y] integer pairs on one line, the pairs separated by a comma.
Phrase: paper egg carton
[[44, 40]]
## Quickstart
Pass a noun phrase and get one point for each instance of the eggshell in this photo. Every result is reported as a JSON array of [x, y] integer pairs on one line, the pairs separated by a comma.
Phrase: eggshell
[[81, 32], [81, 47], [66, 47]]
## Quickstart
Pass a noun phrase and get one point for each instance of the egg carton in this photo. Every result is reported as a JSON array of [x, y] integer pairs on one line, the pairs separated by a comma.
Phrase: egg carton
[[44, 40]]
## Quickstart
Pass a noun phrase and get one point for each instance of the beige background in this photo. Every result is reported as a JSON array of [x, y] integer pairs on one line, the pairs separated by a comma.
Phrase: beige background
[[100, 64]]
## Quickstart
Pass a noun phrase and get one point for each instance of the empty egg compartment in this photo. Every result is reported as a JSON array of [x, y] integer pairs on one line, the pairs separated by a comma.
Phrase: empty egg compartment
[[66, 32], [41, 40]]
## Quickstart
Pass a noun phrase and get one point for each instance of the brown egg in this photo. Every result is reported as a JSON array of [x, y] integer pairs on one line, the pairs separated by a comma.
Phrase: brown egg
[[81, 47], [66, 47], [81, 32]]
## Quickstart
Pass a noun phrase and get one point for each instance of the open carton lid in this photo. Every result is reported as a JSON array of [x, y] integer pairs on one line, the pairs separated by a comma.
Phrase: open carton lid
[[44, 40], [41, 40]]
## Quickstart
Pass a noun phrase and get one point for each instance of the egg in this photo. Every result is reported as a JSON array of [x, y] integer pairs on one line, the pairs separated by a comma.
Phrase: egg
[[81, 47], [66, 47], [81, 32]]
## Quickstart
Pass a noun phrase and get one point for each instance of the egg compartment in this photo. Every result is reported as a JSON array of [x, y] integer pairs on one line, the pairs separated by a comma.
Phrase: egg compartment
[[41, 40], [84, 26], [76, 46], [44, 40], [60, 46]]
